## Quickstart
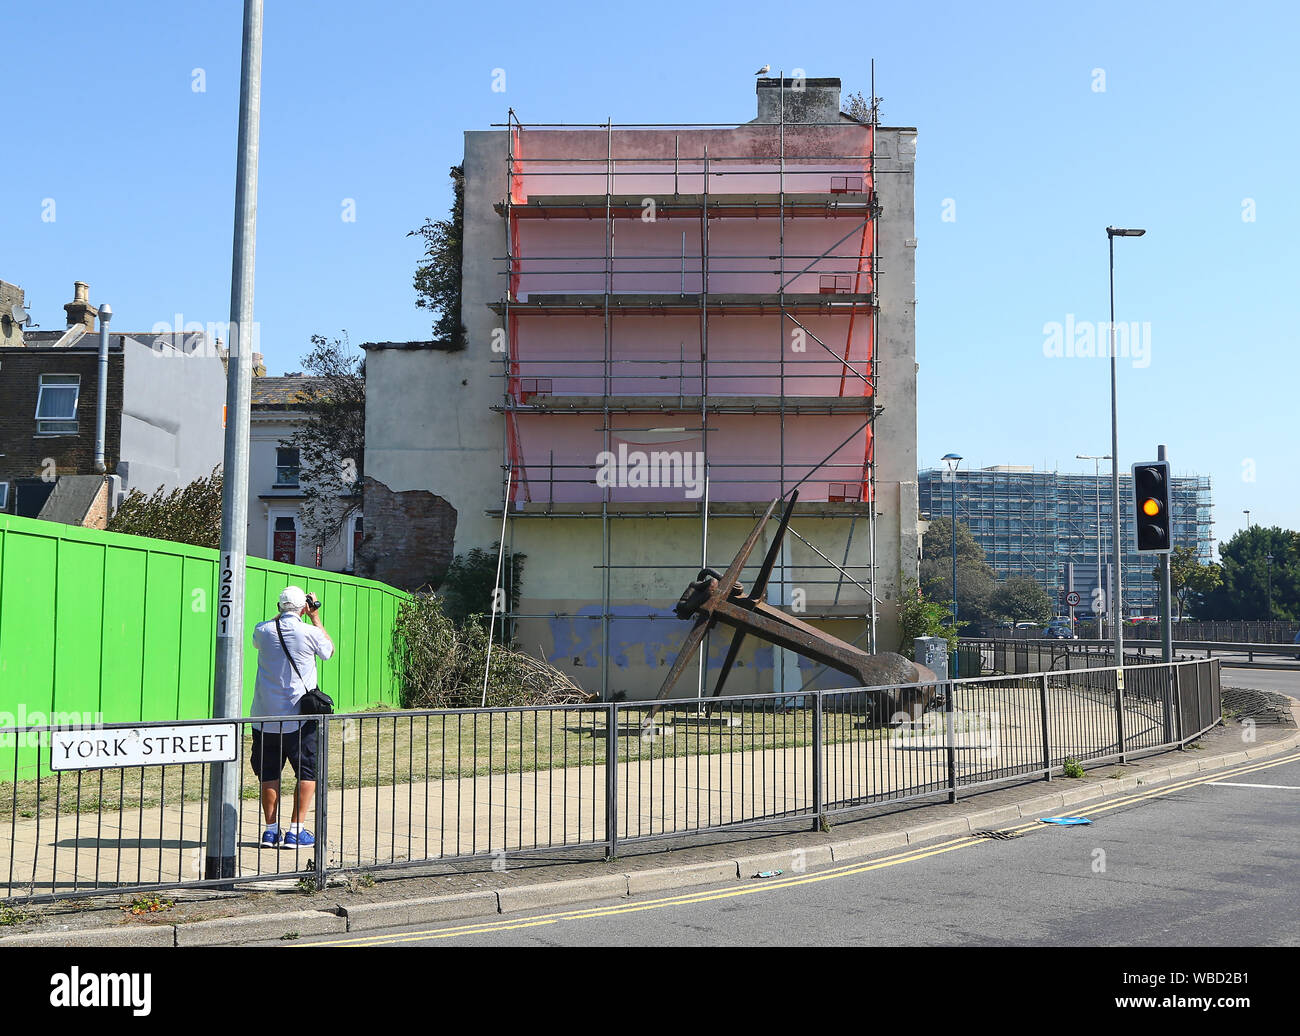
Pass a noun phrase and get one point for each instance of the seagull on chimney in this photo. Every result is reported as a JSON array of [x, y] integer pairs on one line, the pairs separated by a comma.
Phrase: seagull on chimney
[[764, 70]]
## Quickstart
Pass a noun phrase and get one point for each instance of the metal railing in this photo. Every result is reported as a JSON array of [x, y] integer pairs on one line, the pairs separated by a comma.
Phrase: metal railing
[[1260, 631], [1055, 654], [396, 789]]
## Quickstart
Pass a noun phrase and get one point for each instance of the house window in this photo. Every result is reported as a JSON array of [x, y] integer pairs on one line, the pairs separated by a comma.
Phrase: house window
[[286, 466], [4, 495], [358, 534], [284, 541], [56, 404]]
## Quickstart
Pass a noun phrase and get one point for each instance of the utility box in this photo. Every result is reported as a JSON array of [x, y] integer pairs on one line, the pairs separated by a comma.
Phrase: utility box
[[932, 652]]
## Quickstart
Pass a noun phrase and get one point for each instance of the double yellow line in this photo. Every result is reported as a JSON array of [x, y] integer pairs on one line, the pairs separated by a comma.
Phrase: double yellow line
[[690, 898]]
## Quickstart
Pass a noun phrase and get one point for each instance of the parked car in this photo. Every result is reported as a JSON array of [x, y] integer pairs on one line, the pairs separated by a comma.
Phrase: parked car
[[1027, 626], [1297, 641], [1060, 631]]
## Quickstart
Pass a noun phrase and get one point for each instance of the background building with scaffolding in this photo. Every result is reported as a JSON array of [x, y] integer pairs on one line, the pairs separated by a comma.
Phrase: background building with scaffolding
[[669, 326], [1044, 525]]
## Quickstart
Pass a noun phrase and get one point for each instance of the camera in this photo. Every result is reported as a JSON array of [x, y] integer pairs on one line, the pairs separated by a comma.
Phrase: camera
[[313, 603]]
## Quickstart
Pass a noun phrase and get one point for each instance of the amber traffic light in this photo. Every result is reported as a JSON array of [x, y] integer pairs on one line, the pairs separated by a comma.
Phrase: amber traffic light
[[1151, 497]]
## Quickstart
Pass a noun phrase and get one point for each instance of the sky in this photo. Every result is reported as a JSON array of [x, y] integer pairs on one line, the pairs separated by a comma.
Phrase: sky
[[1038, 126]]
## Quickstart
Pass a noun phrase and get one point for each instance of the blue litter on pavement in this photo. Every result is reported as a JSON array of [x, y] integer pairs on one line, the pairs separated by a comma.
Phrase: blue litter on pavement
[[769, 874], [1064, 821]]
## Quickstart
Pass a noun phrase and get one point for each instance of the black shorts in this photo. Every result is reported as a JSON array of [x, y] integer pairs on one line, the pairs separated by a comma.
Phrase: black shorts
[[271, 750]]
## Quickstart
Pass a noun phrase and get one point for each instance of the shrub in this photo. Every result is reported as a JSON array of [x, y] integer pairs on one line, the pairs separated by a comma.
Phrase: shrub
[[918, 617], [440, 664], [470, 583]]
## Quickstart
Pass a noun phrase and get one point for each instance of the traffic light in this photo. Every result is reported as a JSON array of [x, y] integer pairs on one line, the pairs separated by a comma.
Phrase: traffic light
[[1151, 505]]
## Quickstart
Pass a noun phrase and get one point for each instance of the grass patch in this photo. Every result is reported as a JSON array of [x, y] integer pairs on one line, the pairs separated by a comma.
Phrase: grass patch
[[149, 905], [386, 746], [1071, 768], [11, 916]]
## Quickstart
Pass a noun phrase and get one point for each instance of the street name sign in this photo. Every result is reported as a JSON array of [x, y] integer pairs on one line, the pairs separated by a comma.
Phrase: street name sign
[[97, 749]]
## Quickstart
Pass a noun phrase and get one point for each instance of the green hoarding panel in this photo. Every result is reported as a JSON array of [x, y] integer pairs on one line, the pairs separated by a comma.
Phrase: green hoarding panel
[[77, 650], [125, 626], [122, 700]]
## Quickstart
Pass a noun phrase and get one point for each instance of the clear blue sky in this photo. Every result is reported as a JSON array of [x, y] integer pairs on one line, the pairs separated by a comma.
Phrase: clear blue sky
[[368, 102]]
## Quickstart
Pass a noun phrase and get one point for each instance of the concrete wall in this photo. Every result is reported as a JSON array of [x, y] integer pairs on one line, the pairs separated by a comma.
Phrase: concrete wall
[[171, 415], [434, 429], [897, 543], [563, 592]]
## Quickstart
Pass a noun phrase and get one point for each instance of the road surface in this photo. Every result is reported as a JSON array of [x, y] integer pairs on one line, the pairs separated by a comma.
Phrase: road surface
[[1206, 861]]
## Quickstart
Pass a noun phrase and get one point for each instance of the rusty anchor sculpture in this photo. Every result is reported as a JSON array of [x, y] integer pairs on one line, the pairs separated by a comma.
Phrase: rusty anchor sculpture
[[712, 598]]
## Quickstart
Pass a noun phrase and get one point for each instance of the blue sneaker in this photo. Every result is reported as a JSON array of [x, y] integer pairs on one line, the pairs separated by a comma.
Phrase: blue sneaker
[[270, 839], [300, 840]]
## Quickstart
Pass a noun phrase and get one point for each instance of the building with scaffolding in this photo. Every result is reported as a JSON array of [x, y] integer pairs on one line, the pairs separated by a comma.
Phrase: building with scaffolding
[[1044, 525], [669, 326]]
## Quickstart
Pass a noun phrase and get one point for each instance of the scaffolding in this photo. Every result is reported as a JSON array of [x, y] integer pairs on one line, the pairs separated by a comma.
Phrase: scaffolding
[[736, 234], [1034, 523]]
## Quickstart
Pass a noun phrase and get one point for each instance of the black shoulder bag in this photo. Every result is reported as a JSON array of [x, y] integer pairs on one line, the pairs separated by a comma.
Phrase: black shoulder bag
[[315, 702]]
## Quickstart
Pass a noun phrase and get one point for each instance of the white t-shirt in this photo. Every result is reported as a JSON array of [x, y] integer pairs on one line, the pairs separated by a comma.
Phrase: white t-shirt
[[278, 689]]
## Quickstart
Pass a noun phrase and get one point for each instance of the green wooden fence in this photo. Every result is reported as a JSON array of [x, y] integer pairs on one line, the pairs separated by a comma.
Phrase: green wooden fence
[[124, 626]]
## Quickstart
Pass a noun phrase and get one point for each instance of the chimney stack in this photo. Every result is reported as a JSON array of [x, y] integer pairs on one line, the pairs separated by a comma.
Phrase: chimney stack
[[804, 100], [79, 310]]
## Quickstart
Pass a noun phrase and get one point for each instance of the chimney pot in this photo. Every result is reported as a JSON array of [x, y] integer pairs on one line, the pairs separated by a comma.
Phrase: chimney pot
[[79, 310]]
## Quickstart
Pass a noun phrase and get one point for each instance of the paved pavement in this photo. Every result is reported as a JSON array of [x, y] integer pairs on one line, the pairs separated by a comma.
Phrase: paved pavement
[[1212, 860]]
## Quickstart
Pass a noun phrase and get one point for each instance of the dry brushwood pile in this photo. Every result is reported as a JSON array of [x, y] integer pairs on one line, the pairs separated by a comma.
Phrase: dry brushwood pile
[[441, 664]]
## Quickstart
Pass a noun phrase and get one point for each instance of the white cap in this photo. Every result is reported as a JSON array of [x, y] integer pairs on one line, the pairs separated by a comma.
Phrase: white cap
[[292, 598]]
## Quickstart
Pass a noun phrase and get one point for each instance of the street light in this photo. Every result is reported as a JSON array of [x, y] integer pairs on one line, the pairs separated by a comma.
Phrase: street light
[[950, 463], [1269, 559], [1096, 484], [1247, 514], [1118, 589]]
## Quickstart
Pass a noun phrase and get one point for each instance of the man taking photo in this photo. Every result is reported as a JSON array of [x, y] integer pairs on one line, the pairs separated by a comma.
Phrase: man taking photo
[[287, 648]]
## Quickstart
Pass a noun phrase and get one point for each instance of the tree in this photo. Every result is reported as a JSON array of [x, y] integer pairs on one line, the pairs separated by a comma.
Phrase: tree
[[1021, 599], [918, 617], [976, 580], [1189, 580], [331, 441], [855, 106], [437, 277], [468, 588], [1247, 574], [190, 514]]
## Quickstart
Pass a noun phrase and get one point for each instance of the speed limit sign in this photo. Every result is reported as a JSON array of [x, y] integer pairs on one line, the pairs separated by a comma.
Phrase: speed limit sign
[[1072, 598]]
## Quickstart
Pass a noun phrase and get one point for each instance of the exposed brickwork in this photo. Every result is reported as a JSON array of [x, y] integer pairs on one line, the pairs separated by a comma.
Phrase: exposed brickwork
[[408, 537], [24, 452], [97, 516], [11, 332]]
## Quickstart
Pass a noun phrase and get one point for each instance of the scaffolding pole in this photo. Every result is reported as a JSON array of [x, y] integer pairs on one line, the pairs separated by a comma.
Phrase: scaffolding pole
[[786, 208]]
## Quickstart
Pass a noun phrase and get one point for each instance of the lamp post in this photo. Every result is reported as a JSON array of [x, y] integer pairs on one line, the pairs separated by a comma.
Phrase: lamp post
[[1268, 558], [1118, 589], [950, 463], [1096, 484], [1247, 514]]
